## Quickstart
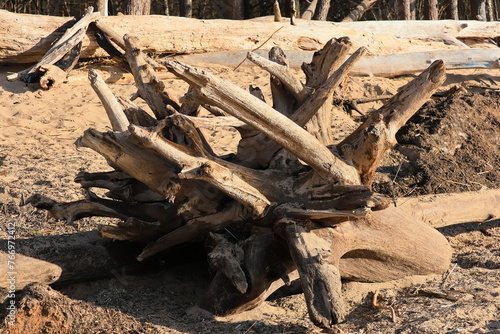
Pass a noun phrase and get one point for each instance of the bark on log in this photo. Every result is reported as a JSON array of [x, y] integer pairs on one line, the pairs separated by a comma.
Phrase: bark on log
[[21, 46]]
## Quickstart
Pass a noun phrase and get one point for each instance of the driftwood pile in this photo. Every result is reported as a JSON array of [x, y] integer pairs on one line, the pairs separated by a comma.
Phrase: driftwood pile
[[302, 205]]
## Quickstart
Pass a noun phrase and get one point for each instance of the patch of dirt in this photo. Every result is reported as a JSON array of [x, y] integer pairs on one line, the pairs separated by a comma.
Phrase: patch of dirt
[[451, 144], [457, 150]]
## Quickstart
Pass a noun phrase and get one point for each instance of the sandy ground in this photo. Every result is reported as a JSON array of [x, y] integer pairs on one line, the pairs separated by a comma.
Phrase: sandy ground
[[37, 155]]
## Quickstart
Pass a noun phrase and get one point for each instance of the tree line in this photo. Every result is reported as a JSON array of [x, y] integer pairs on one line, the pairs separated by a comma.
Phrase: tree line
[[332, 10]]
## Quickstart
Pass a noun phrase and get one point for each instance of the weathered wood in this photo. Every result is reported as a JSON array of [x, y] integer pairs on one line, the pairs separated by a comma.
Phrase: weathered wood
[[157, 173], [71, 38], [320, 278], [51, 76], [283, 100], [149, 87], [116, 116], [283, 74], [277, 11], [62, 257], [266, 266], [26, 46], [200, 166], [382, 66], [162, 212], [366, 146], [197, 228], [322, 66], [317, 208], [24, 270], [121, 186], [448, 209]]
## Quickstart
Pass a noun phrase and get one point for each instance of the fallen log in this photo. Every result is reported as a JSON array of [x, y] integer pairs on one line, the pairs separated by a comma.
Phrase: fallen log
[[41, 309], [382, 66], [58, 259], [68, 43], [162, 34], [448, 209]]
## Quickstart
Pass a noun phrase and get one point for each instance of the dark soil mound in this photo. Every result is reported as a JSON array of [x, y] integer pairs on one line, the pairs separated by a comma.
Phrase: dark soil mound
[[450, 145]]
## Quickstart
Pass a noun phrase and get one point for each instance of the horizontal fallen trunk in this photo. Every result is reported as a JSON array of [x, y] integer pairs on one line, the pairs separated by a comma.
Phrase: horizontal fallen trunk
[[163, 34], [382, 66], [58, 259], [448, 209]]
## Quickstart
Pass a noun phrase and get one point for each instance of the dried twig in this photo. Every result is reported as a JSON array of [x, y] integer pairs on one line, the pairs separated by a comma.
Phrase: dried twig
[[267, 40], [448, 273], [377, 306], [436, 294]]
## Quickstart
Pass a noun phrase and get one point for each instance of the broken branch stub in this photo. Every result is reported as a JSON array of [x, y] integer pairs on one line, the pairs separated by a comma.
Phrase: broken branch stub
[[366, 146]]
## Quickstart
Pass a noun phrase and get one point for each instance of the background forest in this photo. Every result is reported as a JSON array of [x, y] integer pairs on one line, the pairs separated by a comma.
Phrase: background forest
[[244, 9]]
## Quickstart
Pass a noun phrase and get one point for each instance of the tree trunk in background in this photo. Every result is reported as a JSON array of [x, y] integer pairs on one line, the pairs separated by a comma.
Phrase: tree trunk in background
[[137, 7], [321, 12], [478, 10], [102, 7], [406, 10], [167, 10], [234, 10], [431, 10], [452, 10], [490, 11], [186, 8]]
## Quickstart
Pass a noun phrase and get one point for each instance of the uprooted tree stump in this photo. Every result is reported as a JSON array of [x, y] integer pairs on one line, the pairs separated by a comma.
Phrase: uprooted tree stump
[[307, 200]]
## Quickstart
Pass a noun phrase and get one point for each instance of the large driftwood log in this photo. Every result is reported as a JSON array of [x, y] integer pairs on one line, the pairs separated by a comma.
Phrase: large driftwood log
[[383, 66], [312, 193], [19, 45]]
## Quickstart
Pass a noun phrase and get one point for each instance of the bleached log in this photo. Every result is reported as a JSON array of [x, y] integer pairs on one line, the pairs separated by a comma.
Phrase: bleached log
[[113, 108], [71, 38], [22, 45], [448, 209], [383, 66], [149, 87]]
